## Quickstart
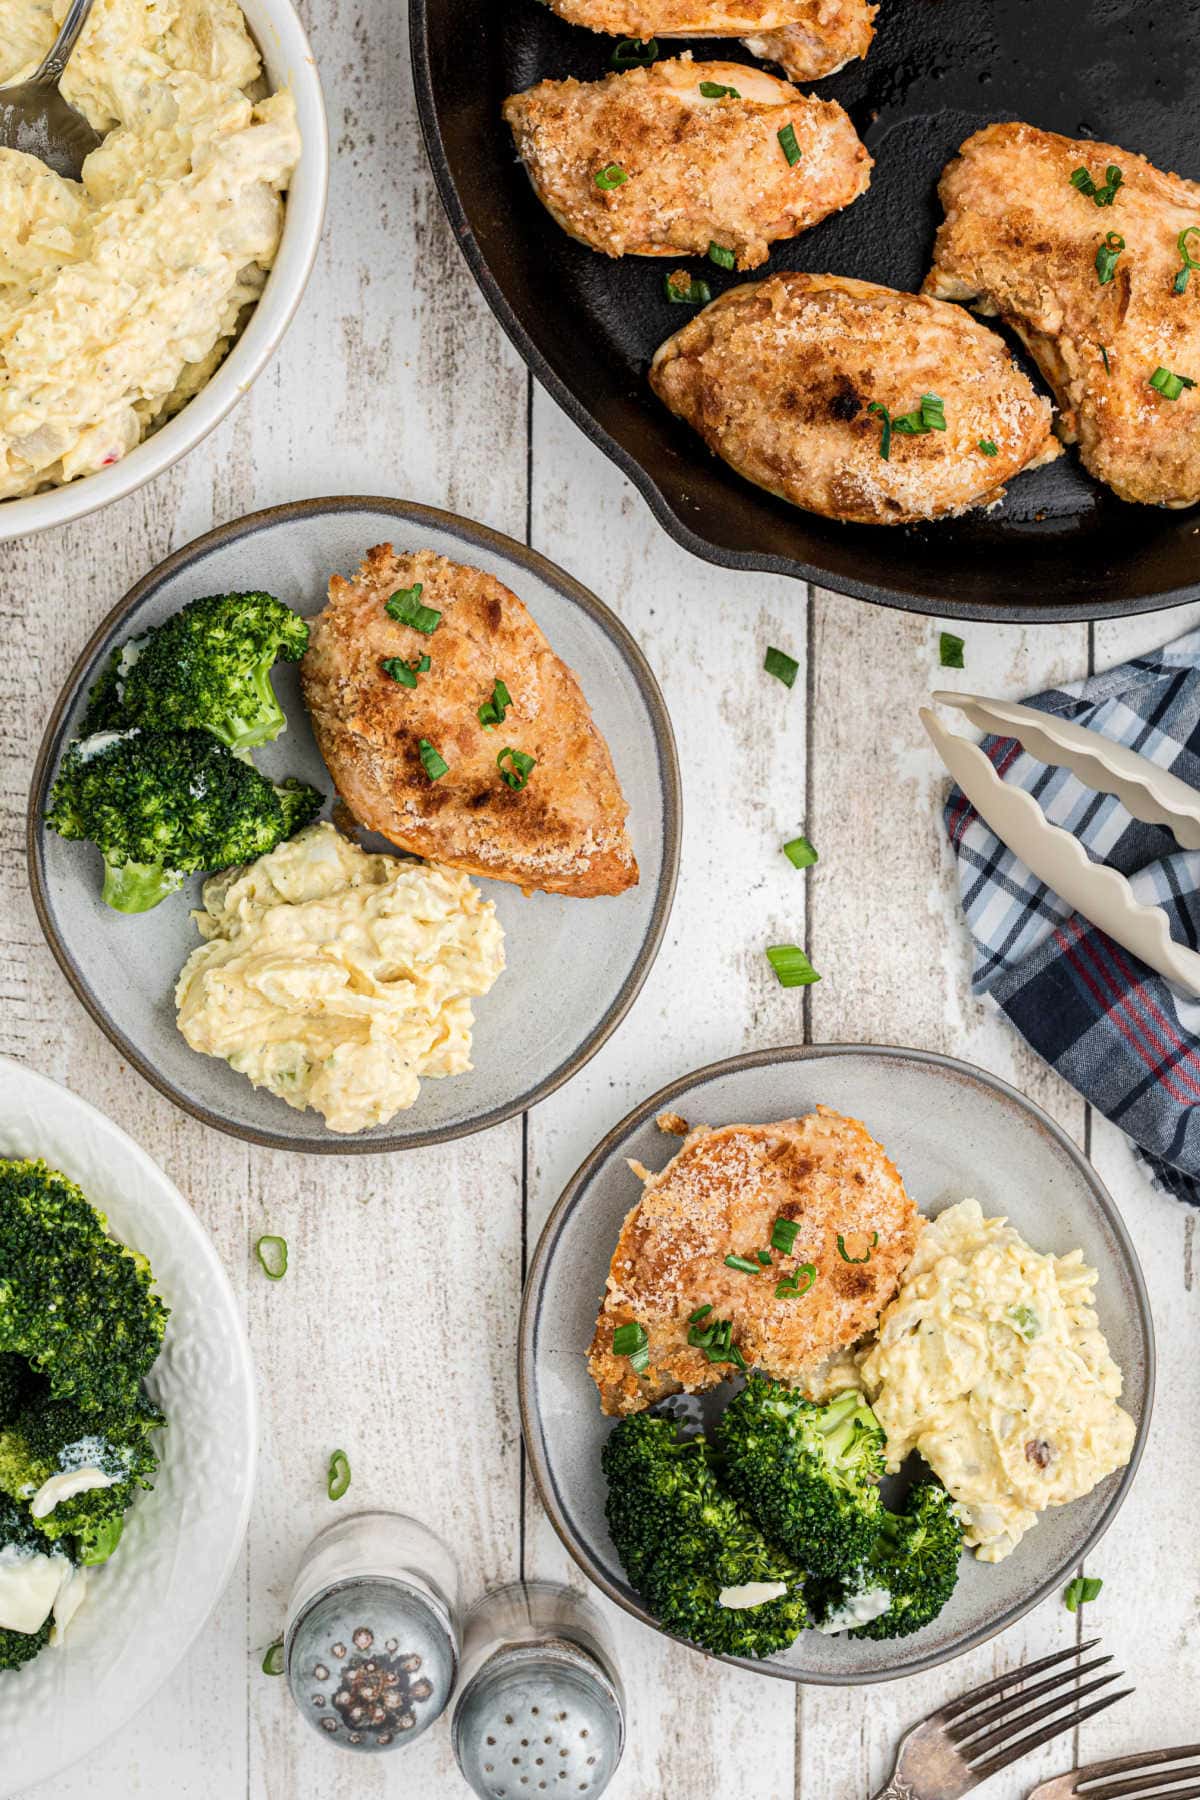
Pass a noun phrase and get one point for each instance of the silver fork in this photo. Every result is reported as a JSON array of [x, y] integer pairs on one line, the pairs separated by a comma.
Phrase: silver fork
[[968, 1739], [1150, 1778]]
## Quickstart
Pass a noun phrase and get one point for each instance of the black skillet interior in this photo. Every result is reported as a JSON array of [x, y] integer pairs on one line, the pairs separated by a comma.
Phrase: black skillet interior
[[1059, 546]]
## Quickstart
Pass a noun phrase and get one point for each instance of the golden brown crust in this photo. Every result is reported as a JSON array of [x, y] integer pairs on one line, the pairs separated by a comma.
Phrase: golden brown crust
[[720, 1195], [778, 377], [1021, 241], [698, 171], [564, 831], [810, 38]]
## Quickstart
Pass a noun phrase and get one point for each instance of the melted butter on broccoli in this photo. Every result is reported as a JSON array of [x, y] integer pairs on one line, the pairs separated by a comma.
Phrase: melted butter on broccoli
[[914, 1561]]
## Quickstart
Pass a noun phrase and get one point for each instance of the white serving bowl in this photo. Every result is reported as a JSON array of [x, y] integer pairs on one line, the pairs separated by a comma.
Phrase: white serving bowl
[[289, 63]]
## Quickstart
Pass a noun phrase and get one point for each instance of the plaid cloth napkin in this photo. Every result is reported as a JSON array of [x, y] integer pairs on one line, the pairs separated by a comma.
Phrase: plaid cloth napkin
[[1127, 1039]]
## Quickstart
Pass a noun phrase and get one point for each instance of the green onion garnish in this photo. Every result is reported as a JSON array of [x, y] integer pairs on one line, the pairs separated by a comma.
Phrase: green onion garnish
[[1079, 1592], [790, 1287], [1024, 1321], [988, 448], [612, 175], [788, 144], [1189, 261], [492, 711], [682, 290], [1168, 385], [712, 90], [744, 1263], [405, 671], [784, 1233], [405, 606], [791, 966], [272, 1662], [800, 853], [434, 765], [633, 53], [1108, 255], [701, 1312], [724, 259], [841, 1244], [950, 651], [716, 1341], [1103, 196], [764, 1257], [632, 1341], [339, 1475], [1104, 358], [272, 1253], [785, 668], [885, 442], [518, 774], [929, 416]]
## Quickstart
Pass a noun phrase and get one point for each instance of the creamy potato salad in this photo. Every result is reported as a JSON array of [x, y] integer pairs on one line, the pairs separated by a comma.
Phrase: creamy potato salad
[[991, 1363], [120, 295], [336, 978]]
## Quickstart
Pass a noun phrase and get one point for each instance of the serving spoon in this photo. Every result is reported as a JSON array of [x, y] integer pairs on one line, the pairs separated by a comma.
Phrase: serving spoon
[[35, 118]]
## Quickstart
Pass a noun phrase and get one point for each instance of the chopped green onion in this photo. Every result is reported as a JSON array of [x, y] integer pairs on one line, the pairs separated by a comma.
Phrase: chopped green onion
[[1103, 196], [790, 1288], [1104, 358], [716, 1341], [434, 765], [800, 853], [1189, 261], [930, 415], [632, 1341], [788, 144], [764, 1257], [1081, 1591], [1107, 257], [724, 259], [792, 968], [272, 1662], [785, 668], [885, 441], [1024, 1321], [1168, 385], [682, 290], [988, 448], [712, 90], [405, 671], [612, 175], [841, 1244], [744, 1263], [492, 711], [1082, 180], [405, 606], [634, 53], [701, 1312], [950, 651], [339, 1475], [516, 776], [272, 1253], [784, 1233]]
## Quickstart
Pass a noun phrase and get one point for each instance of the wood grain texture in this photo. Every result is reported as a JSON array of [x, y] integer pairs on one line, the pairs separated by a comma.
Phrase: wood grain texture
[[395, 380]]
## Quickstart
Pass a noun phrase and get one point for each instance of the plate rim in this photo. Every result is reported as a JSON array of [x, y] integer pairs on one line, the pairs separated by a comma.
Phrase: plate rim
[[497, 544], [663, 1100], [191, 1222]]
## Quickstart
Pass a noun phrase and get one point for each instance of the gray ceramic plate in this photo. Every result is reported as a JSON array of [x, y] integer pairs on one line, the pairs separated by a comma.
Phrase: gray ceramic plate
[[955, 1133], [591, 956]]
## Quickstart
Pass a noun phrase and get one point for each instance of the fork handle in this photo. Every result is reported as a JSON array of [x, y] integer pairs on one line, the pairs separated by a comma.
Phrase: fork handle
[[49, 71], [897, 1789]]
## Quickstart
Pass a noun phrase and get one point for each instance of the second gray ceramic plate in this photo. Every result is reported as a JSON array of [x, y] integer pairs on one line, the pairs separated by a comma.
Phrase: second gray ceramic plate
[[955, 1133], [574, 966]]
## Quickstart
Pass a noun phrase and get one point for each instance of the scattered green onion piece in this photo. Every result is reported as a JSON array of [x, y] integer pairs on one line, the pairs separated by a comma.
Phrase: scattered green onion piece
[[435, 766], [885, 442], [339, 1475], [1082, 180], [930, 415], [1168, 385], [712, 90], [701, 1312], [716, 1341], [400, 671], [788, 144], [950, 651], [632, 1341], [800, 853], [792, 968], [988, 448], [785, 668], [1081, 1591], [784, 1233], [764, 1257], [789, 1288], [272, 1253], [634, 53], [841, 1244], [1189, 261], [612, 175], [492, 711], [1024, 1321], [405, 606], [744, 1263], [724, 259], [1104, 358], [1107, 257], [1102, 196], [272, 1662], [683, 290], [516, 776]]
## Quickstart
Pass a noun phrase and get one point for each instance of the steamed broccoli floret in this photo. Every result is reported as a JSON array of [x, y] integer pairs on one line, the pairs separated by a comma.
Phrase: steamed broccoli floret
[[807, 1473], [54, 1437], [915, 1559], [682, 1541], [74, 1303], [16, 1381], [207, 668], [160, 805]]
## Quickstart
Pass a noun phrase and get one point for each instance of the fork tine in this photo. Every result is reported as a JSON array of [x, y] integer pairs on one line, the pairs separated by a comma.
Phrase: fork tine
[[1011, 1752], [1018, 1722], [1160, 1783], [1144, 1759], [964, 1702], [1014, 1702]]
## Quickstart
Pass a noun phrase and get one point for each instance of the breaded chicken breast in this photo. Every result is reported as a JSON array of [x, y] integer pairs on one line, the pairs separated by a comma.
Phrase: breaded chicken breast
[[854, 400], [808, 38], [1079, 247], [721, 1195], [647, 164], [449, 725]]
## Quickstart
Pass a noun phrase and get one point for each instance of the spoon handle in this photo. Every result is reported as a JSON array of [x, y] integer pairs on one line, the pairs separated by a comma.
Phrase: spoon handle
[[49, 71]]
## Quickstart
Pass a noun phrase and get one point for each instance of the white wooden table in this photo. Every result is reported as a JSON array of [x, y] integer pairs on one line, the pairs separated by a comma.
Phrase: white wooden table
[[396, 380]]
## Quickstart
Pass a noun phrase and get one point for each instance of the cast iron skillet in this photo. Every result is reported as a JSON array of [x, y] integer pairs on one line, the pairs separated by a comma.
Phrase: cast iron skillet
[[1060, 547]]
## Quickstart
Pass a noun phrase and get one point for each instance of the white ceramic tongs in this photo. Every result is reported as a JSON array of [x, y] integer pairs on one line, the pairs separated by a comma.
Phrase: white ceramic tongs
[[1151, 794]]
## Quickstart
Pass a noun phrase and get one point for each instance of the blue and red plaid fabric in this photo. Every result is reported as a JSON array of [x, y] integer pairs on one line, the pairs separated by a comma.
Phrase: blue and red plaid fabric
[[1127, 1039]]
